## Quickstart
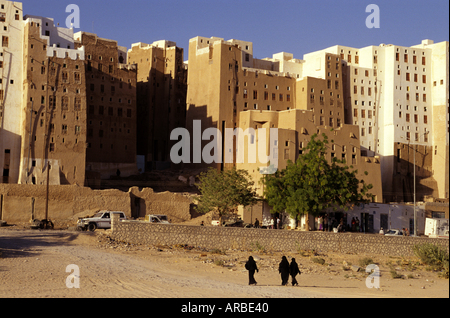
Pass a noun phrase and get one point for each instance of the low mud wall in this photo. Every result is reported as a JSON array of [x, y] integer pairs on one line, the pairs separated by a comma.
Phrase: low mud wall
[[22, 203], [271, 240]]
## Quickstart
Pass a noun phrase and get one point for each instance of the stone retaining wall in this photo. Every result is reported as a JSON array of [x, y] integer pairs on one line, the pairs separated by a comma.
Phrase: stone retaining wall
[[271, 240]]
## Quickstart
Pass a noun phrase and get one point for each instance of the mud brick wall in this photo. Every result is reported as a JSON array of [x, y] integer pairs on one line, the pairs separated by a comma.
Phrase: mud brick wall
[[271, 240], [24, 202]]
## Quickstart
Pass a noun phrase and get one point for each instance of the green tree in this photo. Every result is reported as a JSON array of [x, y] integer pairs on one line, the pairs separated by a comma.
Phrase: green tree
[[224, 191], [312, 184]]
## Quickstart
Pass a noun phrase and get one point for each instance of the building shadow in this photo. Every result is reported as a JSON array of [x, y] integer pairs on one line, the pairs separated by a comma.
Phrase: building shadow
[[30, 244]]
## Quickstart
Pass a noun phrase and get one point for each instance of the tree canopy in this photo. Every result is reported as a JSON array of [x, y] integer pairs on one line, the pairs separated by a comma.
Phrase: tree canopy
[[313, 184], [224, 191]]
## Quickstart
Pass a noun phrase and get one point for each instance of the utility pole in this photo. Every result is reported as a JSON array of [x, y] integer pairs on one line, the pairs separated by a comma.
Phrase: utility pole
[[415, 213], [47, 189], [48, 223], [46, 142]]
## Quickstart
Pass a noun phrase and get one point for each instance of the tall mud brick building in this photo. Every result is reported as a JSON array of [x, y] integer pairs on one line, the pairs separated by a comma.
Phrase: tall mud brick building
[[228, 88], [67, 103], [54, 135], [42, 112], [161, 99], [111, 107], [384, 106]]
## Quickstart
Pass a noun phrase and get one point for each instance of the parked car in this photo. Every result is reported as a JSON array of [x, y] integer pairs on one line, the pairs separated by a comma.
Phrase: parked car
[[157, 218], [237, 223], [100, 220], [393, 233]]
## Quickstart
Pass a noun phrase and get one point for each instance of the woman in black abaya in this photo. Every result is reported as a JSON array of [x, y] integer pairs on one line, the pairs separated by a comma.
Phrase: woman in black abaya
[[251, 267], [294, 271], [283, 269]]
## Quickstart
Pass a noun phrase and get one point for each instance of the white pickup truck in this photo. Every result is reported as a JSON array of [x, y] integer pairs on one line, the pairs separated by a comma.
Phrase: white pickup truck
[[157, 218], [101, 220]]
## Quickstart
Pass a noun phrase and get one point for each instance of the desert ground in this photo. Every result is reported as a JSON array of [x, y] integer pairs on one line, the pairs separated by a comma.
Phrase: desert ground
[[33, 265]]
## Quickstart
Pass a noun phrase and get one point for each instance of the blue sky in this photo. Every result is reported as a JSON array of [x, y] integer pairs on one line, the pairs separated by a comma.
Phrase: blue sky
[[294, 26]]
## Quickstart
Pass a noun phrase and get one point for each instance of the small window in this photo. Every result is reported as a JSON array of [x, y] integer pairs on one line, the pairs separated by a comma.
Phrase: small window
[[77, 77], [5, 41]]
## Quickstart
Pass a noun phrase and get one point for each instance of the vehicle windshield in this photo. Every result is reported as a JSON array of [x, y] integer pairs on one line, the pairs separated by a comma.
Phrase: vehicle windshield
[[163, 217], [98, 215]]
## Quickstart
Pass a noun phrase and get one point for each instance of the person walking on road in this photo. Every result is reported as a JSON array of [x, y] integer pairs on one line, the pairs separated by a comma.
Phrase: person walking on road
[[251, 267], [294, 271], [283, 269]]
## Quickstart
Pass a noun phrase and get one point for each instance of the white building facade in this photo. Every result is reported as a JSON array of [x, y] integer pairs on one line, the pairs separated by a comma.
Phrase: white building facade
[[374, 216], [398, 95], [11, 89]]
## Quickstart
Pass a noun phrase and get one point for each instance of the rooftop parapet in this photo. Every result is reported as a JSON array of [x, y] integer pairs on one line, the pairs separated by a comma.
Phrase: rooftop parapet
[[59, 41], [163, 44], [74, 54]]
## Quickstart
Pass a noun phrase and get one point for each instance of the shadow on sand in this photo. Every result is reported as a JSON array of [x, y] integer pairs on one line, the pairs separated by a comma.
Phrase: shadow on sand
[[29, 243]]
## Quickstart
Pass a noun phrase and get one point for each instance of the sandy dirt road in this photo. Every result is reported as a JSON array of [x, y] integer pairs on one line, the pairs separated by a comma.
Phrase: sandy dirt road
[[33, 264]]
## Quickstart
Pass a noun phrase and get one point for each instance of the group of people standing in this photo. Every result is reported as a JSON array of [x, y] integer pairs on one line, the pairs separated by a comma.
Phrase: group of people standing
[[275, 223], [355, 224], [284, 268], [327, 224]]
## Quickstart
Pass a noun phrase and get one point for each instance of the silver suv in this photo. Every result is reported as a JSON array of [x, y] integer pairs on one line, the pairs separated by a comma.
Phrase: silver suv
[[101, 220]]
